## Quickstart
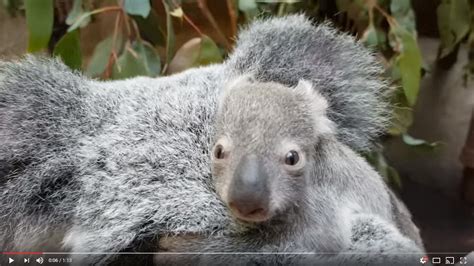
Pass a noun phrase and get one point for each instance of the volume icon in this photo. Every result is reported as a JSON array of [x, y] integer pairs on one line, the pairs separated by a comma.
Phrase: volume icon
[[40, 260]]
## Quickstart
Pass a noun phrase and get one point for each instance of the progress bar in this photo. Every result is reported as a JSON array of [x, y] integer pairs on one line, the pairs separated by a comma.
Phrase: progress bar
[[220, 253]]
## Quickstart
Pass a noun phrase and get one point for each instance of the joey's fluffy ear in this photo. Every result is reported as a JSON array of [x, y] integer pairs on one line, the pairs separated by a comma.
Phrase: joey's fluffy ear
[[317, 106], [235, 83], [241, 80]]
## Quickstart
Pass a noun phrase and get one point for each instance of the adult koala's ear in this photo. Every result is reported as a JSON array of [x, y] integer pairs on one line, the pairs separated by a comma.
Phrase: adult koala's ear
[[317, 106]]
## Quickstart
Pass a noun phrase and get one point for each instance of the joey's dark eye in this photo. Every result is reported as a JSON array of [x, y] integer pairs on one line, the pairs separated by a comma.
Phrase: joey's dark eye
[[219, 151], [292, 158]]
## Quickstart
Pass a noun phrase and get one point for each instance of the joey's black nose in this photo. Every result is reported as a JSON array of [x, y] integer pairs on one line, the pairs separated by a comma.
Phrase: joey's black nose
[[248, 193]]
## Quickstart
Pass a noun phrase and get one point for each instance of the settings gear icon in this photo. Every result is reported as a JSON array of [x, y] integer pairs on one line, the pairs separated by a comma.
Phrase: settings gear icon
[[424, 259]]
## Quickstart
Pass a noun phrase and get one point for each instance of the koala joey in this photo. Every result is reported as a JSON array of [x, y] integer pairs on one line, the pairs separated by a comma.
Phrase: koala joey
[[267, 139]]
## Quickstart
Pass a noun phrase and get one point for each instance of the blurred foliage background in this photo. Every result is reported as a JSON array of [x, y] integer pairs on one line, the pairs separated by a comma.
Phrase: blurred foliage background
[[142, 40]]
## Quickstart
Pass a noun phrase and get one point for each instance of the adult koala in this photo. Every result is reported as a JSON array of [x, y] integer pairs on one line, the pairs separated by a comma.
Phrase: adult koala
[[107, 166]]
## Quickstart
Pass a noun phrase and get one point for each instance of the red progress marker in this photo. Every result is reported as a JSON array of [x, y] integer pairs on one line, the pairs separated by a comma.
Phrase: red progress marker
[[22, 253]]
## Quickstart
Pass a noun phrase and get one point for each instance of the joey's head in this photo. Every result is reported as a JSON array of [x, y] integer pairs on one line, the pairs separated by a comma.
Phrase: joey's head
[[265, 145]]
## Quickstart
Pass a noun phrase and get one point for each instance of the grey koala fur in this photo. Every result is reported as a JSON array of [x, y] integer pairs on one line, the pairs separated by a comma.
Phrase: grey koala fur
[[104, 166]]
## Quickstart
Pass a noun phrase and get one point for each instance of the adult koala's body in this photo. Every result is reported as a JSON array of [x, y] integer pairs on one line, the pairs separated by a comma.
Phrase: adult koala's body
[[104, 166]]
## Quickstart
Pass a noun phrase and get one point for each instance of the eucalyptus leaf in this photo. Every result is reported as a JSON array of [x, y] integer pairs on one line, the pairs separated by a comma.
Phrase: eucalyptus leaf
[[151, 29], [80, 20], [76, 12], [209, 52], [409, 62], [177, 12], [400, 7], [394, 72], [407, 21], [401, 121], [454, 20], [393, 177], [138, 59], [69, 49], [401, 10], [151, 59], [185, 56], [39, 20], [369, 37], [411, 141], [170, 37], [247, 5], [374, 37], [101, 55], [130, 63], [195, 52], [137, 7], [249, 8]]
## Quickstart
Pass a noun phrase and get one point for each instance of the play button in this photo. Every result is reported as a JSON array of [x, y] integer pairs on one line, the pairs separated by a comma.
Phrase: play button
[[10, 260]]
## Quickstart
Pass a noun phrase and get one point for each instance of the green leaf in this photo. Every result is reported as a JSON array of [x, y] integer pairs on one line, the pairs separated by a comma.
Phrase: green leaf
[[185, 56], [400, 7], [394, 71], [209, 52], [137, 7], [151, 59], [128, 66], [407, 21], [374, 37], [453, 24], [247, 5], [409, 62], [402, 116], [76, 12], [402, 120], [369, 37], [39, 20], [139, 59], [195, 52], [394, 177], [170, 37], [249, 8], [69, 50], [401, 10], [411, 141], [80, 20], [100, 57], [177, 12], [150, 28]]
